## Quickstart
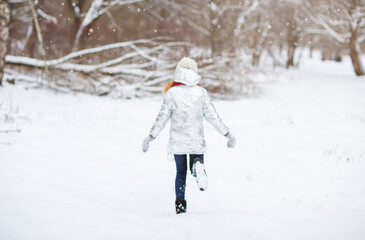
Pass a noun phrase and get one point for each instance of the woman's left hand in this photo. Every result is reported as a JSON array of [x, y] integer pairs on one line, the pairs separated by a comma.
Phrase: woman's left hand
[[231, 140]]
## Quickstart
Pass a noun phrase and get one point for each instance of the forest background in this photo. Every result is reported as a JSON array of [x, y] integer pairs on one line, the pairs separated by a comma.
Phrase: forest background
[[129, 48]]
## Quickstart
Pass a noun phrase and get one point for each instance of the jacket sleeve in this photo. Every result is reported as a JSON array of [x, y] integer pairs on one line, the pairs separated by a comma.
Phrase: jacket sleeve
[[212, 116], [162, 117]]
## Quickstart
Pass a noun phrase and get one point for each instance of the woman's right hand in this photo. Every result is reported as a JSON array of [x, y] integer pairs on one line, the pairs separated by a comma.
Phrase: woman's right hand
[[146, 143]]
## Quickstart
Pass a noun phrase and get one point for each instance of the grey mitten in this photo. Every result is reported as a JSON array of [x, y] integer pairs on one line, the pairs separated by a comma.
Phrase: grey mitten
[[231, 140], [146, 143]]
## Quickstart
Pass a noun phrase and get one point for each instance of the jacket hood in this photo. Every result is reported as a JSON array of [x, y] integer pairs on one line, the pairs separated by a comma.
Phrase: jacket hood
[[186, 76]]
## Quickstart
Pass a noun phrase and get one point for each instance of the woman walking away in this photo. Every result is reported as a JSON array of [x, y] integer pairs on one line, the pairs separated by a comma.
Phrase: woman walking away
[[186, 103]]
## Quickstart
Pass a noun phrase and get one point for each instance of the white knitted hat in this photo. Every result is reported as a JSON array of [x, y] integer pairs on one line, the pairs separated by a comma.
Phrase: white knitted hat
[[188, 63]]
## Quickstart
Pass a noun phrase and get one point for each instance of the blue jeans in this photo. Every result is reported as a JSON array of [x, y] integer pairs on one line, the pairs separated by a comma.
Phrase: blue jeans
[[181, 170]]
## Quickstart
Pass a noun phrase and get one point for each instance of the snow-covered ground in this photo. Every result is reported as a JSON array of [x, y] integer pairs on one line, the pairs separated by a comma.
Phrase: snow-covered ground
[[71, 166]]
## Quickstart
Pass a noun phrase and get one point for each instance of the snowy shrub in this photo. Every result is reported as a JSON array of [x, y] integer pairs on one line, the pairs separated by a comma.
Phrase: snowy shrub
[[125, 69], [132, 69], [228, 77]]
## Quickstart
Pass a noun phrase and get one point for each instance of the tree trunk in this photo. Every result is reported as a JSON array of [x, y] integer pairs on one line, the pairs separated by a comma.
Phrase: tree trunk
[[214, 32], [290, 60], [39, 37], [354, 54], [255, 58], [213, 40], [311, 52], [291, 50], [256, 55], [4, 33]]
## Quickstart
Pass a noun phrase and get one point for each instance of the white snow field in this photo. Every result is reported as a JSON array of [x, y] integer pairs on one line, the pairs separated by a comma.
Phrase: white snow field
[[71, 165]]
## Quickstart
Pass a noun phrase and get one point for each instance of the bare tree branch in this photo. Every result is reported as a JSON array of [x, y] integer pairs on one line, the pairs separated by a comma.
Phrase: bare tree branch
[[98, 8]]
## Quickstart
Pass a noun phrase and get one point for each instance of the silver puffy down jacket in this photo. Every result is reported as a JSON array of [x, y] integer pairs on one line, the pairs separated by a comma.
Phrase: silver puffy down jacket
[[186, 105]]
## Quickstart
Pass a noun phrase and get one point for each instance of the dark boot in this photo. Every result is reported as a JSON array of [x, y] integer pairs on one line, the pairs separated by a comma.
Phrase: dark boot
[[180, 206]]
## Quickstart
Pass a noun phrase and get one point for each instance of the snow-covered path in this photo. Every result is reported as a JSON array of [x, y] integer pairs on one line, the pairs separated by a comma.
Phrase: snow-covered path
[[71, 165]]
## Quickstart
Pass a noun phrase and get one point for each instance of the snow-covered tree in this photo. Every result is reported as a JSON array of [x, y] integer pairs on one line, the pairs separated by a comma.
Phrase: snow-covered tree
[[97, 8], [246, 9], [4, 33], [293, 22], [343, 21], [224, 21], [252, 29], [218, 22]]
